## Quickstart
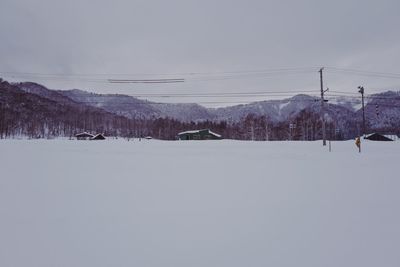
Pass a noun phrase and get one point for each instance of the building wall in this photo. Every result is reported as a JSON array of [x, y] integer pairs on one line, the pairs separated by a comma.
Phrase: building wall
[[202, 135]]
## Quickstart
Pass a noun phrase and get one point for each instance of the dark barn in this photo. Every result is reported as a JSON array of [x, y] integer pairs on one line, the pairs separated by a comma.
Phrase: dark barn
[[98, 137], [378, 137], [84, 136], [204, 134]]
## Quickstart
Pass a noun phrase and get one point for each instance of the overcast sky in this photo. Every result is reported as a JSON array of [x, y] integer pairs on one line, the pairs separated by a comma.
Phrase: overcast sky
[[179, 37]]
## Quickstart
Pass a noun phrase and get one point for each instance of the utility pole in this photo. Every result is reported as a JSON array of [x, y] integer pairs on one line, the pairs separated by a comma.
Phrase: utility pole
[[361, 91], [322, 108]]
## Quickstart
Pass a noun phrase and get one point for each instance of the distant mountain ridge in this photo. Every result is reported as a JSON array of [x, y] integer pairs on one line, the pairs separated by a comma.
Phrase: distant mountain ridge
[[342, 110], [132, 107], [275, 110], [39, 112]]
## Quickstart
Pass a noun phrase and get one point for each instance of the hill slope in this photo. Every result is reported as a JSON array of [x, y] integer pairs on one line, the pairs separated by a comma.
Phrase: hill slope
[[39, 112], [343, 115]]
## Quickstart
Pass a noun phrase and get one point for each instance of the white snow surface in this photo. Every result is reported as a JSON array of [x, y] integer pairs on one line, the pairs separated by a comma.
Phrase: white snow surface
[[198, 203], [282, 105]]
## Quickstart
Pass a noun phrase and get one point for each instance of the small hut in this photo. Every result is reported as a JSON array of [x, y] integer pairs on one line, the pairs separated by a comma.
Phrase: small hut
[[205, 134], [98, 137], [84, 136], [378, 137]]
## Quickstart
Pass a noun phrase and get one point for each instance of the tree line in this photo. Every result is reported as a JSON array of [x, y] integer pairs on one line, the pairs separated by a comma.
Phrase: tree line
[[27, 115], [67, 123]]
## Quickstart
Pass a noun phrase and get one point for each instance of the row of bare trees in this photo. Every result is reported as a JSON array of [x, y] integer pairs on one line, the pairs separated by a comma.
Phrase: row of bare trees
[[28, 115], [306, 126]]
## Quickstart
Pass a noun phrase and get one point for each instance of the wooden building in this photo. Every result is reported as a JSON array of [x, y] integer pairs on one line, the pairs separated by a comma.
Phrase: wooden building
[[98, 137], [378, 137], [84, 136], [205, 134]]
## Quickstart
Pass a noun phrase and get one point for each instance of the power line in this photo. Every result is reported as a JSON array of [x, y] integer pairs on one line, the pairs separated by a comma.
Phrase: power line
[[248, 75], [201, 78], [367, 96], [274, 93], [195, 79], [365, 73], [341, 92], [203, 102], [97, 103], [224, 94], [176, 80]]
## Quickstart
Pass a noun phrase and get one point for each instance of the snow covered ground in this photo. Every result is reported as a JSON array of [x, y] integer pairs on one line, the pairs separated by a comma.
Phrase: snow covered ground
[[205, 203]]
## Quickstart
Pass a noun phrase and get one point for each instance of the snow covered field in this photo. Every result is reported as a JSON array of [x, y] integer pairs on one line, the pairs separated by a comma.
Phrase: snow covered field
[[207, 203]]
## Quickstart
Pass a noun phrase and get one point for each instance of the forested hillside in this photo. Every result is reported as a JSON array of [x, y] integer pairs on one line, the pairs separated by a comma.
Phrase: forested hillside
[[34, 111]]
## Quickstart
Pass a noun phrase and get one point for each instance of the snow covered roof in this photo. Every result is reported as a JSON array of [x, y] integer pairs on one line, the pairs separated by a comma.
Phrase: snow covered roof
[[198, 131], [392, 137], [217, 135], [84, 134], [189, 132]]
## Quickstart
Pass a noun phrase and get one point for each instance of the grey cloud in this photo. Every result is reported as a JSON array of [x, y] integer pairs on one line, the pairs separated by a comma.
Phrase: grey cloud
[[200, 36]]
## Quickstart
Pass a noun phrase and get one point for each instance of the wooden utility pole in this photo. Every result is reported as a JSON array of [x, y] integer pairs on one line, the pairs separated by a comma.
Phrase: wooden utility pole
[[361, 91], [322, 108]]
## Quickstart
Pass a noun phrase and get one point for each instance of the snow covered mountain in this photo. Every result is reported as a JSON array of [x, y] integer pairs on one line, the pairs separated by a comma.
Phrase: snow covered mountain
[[37, 112], [349, 102], [132, 107], [40, 90], [184, 112], [123, 105], [382, 110], [275, 110]]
